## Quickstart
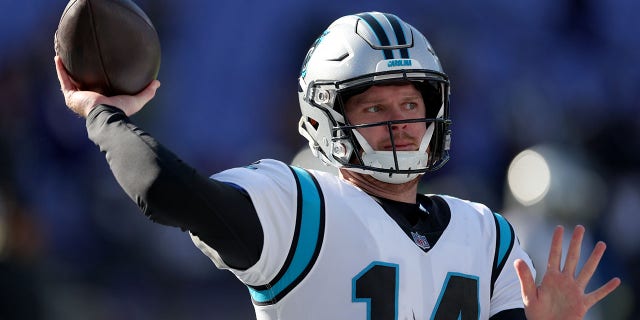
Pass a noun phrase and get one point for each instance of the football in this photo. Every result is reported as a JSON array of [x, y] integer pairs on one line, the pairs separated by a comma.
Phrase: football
[[108, 46]]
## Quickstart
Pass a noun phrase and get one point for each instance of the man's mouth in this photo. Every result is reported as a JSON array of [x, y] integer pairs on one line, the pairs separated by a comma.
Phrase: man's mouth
[[401, 146]]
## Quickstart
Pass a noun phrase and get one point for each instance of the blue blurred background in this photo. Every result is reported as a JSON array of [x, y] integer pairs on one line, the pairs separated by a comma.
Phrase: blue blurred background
[[557, 78]]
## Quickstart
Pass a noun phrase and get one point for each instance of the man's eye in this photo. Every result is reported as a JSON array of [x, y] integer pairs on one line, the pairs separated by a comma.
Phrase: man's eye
[[411, 105], [373, 109]]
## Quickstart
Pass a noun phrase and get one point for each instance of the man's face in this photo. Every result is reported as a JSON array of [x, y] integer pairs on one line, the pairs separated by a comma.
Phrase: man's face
[[386, 103]]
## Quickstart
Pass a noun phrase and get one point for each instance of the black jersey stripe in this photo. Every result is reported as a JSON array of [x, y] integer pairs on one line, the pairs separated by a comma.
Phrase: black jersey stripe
[[306, 244], [505, 238], [379, 31], [397, 29]]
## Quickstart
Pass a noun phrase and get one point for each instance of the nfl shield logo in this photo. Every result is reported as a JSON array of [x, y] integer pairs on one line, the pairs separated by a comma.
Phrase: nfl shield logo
[[420, 240]]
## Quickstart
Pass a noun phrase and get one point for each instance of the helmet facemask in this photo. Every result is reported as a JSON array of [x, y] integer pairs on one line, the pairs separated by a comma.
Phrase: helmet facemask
[[350, 150]]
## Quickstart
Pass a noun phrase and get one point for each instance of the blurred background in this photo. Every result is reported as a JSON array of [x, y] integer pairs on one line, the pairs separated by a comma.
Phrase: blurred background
[[546, 111]]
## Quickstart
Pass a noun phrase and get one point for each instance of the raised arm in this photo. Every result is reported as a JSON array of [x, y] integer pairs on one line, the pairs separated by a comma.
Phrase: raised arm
[[165, 188]]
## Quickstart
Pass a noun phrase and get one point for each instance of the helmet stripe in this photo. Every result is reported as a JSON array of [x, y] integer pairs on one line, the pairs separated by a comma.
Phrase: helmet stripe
[[379, 31], [395, 24]]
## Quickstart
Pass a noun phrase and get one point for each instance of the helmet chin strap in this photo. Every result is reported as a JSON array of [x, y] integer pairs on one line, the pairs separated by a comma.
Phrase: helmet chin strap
[[407, 160]]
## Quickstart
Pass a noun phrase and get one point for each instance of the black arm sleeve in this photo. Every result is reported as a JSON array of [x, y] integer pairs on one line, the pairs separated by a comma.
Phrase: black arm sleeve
[[511, 314], [170, 192]]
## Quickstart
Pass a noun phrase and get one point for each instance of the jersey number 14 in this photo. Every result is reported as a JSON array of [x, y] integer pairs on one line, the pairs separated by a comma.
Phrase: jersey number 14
[[377, 286]]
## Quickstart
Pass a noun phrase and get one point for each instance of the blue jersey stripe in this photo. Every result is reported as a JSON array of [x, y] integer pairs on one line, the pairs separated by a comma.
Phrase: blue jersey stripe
[[308, 241], [505, 238]]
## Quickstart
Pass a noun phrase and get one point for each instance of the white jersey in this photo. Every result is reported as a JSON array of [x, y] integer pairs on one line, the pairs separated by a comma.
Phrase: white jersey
[[331, 252]]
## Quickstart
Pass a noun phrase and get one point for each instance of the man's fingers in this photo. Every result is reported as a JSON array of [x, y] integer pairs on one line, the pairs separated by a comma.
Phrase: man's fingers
[[591, 265], [527, 283], [63, 77], [600, 293], [132, 104], [555, 252], [146, 95], [150, 91], [573, 254]]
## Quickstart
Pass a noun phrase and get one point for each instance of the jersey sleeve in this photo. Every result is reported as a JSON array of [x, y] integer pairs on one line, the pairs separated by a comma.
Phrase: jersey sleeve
[[505, 289], [502, 249], [272, 188]]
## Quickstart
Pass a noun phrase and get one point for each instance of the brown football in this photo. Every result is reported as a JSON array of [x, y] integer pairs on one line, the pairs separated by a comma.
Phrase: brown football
[[108, 46]]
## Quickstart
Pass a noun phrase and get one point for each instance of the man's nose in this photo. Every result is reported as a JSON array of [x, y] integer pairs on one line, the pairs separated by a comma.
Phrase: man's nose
[[397, 115]]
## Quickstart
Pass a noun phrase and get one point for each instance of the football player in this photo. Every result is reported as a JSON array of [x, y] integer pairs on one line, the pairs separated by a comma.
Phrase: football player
[[363, 244]]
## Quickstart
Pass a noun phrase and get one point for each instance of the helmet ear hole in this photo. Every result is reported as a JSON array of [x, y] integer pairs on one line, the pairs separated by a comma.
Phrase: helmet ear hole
[[313, 123]]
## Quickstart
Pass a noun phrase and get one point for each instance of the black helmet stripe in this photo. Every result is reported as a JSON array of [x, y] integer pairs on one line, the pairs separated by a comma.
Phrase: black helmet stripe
[[379, 31], [404, 53]]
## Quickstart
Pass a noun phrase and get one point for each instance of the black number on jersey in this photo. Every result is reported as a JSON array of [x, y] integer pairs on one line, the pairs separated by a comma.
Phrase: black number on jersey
[[377, 285], [458, 298]]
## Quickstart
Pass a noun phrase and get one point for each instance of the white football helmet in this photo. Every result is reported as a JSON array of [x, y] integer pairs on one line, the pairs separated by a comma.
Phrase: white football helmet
[[352, 54]]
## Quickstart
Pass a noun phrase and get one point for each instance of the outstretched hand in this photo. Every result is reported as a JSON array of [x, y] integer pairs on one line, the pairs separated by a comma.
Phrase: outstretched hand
[[82, 102], [561, 295]]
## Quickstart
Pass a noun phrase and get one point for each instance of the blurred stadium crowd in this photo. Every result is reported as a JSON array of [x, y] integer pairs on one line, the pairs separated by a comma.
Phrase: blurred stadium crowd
[[560, 78]]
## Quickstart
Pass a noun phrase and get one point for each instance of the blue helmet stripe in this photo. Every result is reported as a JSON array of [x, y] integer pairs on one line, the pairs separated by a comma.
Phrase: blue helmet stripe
[[397, 29], [379, 31]]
